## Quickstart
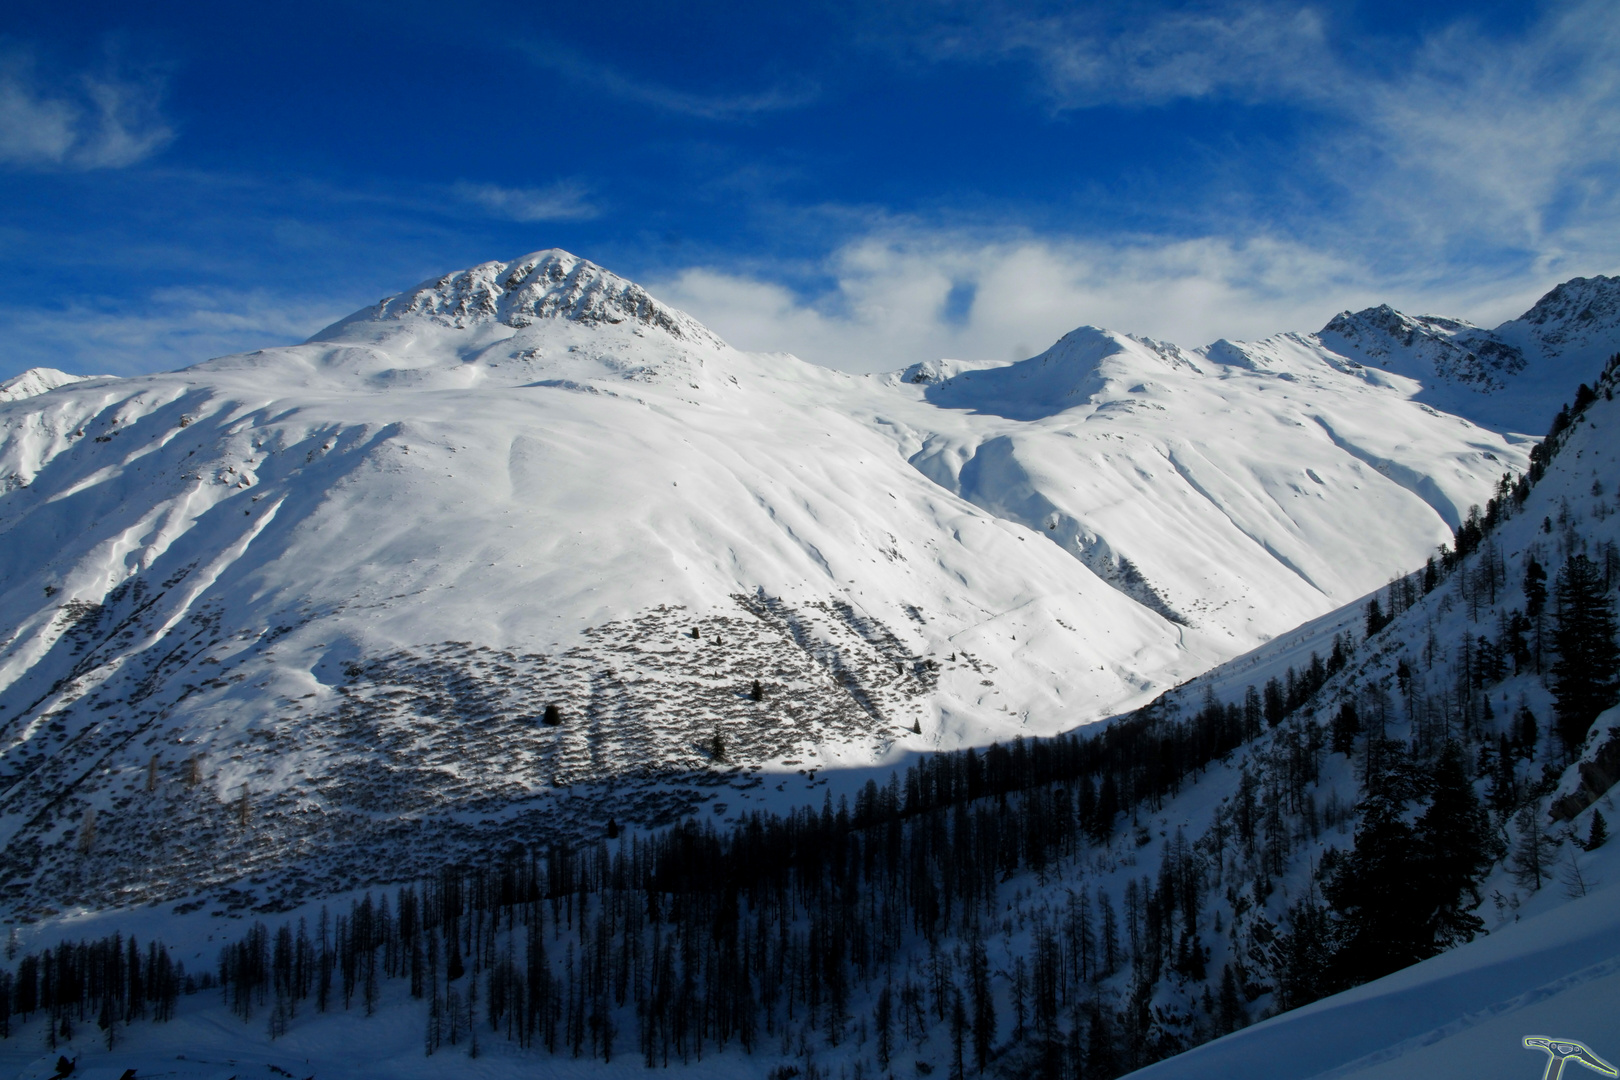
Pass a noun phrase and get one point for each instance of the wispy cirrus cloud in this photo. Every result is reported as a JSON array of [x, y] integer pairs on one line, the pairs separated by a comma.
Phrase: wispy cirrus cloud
[[1462, 139], [711, 106], [1464, 180], [1095, 54], [88, 121], [163, 329], [1478, 141], [563, 201]]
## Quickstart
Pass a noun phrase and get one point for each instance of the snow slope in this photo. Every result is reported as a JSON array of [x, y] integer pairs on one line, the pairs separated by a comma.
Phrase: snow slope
[[1123, 451], [304, 606], [1550, 964], [1463, 1014]]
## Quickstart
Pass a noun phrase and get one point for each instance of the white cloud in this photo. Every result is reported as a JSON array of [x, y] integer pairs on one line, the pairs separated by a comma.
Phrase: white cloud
[[734, 106], [33, 130], [89, 122], [169, 328], [1087, 56], [890, 304], [1464, 149], [891, 301], [562, 201], [1512, 144]]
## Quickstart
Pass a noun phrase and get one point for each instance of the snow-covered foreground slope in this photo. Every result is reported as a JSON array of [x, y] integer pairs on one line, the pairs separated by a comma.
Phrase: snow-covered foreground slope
[[1459, 1016], [306, 607]]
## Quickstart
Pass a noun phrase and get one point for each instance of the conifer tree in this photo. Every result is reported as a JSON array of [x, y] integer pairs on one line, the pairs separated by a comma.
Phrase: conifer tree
[[1346, 726], [959, 1023], [1375, 618], [1535, 851], [1301, 961], [1585, 675], [1526, 732], [883, 1017], [984, 1003], [1535, 603], [1454, 835], [1573, 876], [87, 831], [1371, 890], [1102, 1056], [1276, 701], [1598, 833]]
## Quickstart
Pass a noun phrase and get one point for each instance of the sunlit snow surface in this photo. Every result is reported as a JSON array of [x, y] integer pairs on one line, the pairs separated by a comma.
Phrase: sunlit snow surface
[[345, 577]]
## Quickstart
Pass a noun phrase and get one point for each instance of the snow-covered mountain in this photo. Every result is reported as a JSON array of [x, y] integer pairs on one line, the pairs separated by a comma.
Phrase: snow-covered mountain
[[34, 381], [1087, 905], [1513, 377], [287, 624], [307, 606]]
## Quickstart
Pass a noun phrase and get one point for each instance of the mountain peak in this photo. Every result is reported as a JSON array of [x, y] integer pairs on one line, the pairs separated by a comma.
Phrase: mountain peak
[[1387, 322], [1425, 347], [36, 381], [1573, 316], [550, 284]]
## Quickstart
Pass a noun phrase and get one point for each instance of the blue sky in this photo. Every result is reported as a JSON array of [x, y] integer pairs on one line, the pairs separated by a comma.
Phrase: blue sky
[[863, 184]]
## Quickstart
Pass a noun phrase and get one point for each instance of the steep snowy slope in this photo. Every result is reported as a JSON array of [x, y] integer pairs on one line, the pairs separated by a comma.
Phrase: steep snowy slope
[[1463, 1015], [1468, 657], [303, 605], [1271, 454]]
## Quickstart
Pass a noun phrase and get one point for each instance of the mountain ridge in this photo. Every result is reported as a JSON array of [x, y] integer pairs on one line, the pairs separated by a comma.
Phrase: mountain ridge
[[1560, 341]]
